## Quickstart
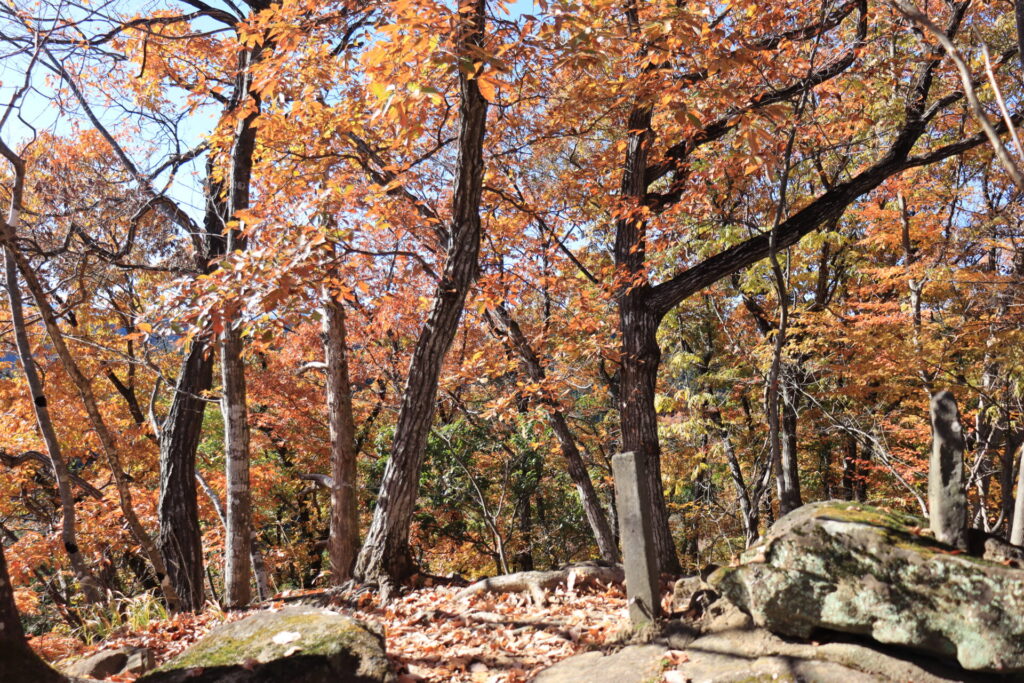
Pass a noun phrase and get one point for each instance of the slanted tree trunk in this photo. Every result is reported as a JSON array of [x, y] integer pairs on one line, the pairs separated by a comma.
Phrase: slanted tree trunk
[[180, 541], [106, 437], [10, 620], [384, 557], [68, 527], [81, 382], [68, 532], [343, 543], [577, 469]]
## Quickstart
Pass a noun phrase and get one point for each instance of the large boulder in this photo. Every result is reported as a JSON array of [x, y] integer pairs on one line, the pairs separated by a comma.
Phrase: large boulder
[[856, 569], [106, 663], [296, 644]]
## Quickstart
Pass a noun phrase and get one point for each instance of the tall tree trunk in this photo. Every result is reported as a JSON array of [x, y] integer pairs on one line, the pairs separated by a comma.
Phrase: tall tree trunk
[[180, 540], [343, 543], [638, 323], [638, 328], [641, 356], [384, 557], [239, 539], [68, 528]]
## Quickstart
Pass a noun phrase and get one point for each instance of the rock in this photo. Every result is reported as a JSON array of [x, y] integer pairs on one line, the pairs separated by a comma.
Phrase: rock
[[140, 661], [633, 664], [756, 654], [136, 660], [691, 595], [296, 644], [683, 590], [852, 568]]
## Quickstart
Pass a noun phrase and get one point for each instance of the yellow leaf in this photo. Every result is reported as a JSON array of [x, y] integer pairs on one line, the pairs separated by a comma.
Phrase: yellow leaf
[[488, 86]]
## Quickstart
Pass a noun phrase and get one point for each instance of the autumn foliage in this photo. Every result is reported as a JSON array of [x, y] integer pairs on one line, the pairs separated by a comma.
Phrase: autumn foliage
[[791, 199]]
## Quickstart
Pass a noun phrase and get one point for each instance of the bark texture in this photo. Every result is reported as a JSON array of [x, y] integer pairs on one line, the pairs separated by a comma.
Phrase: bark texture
[[239, 539], [343, 543], [10, 621], [180, 541], [384, 557]]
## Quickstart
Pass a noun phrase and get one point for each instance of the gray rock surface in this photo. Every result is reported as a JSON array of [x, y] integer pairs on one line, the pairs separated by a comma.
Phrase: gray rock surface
[[729, 649], [633, 664], [296, 644], [856, 569], [751, 655], [136, 660]]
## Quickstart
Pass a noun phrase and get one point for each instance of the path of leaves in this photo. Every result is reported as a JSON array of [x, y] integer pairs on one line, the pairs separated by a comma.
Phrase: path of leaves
[[431, 634]]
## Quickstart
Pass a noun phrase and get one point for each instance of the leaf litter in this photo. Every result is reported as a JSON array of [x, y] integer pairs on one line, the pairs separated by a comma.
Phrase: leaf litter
[[431, 634]]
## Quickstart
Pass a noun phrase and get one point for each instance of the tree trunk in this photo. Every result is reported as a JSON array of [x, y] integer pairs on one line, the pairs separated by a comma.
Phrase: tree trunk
[[68, 529], [180, 542], [17, 660], [789, 490], [639, 419], [10, 621], [1017, 530], [343, 543], [384, 557], [239, 539], [596, 518], [106, 437], [638, 327], [1007, 461]]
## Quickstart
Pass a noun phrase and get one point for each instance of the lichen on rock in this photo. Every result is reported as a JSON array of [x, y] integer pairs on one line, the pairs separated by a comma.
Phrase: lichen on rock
[[321, 645], [857, 569]]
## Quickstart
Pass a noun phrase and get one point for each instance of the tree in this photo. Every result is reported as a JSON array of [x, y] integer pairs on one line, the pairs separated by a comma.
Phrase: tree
[[384, 557]]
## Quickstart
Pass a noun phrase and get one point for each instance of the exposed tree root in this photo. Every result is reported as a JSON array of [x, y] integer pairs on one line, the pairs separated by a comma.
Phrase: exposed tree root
[[537, 583]]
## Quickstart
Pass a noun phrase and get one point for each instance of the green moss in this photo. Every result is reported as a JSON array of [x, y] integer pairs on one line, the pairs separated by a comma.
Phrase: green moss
[[253, 638]]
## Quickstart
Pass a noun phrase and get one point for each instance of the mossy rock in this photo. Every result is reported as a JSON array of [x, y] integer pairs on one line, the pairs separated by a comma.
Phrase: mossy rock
[[295, 644], [857, 569]]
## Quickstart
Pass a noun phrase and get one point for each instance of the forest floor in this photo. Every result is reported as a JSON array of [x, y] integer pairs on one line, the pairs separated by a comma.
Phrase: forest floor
[[432, 635]]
